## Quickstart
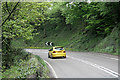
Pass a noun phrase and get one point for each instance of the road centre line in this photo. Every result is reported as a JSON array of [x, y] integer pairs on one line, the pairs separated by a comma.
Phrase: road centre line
[[53, 71], [115, 74]]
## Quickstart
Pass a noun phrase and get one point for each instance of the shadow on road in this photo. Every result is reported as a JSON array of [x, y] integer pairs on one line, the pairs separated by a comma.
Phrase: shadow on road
[[58, 58]]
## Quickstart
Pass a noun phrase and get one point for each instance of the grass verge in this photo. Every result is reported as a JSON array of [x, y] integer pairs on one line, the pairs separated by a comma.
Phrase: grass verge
[[32, 67]]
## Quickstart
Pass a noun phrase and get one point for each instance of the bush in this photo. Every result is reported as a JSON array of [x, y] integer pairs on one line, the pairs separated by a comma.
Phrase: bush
[[26, 65]]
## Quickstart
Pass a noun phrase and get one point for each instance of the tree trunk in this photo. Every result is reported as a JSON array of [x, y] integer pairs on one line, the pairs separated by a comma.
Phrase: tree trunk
[[6, 48]]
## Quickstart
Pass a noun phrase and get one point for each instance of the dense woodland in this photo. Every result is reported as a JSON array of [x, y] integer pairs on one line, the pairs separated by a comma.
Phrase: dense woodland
[[79, 26]]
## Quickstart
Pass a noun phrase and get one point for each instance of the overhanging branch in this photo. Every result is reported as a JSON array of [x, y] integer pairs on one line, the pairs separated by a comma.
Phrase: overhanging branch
[[10, 13], [7, 8]]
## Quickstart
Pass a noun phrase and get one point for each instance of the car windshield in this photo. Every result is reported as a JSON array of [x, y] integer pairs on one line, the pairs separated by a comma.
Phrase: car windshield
[[59, 48]]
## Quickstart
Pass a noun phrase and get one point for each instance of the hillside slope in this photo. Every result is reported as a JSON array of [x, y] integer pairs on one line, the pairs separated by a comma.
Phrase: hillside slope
[[78, 27], [75, 41]]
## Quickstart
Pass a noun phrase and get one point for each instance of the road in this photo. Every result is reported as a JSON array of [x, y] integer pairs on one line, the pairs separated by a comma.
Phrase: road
[[80, 64]]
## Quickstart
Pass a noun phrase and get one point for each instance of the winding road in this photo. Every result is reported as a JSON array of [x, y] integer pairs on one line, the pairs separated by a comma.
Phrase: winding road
[[80, 64]]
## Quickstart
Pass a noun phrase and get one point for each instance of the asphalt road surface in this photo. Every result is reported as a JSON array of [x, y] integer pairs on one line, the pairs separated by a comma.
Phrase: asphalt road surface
[[80, 64]]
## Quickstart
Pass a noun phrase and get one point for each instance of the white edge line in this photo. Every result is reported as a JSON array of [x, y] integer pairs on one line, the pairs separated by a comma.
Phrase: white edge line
[[53, 71], [98, 66], [114, 58]]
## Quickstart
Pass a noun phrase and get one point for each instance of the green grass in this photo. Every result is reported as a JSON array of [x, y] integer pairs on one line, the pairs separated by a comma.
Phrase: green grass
[[45, 70], [0, 50], [109, 44], [27, 68], [22, 69]]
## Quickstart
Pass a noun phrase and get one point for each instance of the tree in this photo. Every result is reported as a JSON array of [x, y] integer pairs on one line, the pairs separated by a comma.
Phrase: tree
[[99, 18], [19, 21]]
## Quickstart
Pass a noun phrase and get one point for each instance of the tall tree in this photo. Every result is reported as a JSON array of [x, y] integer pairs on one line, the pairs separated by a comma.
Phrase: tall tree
[[19, 21]]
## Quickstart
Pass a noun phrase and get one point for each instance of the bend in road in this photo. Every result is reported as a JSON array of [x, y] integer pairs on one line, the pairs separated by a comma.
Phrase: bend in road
[[81, 64]]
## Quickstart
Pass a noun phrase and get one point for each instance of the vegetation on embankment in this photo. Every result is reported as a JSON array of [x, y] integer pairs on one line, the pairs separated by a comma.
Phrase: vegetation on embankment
[[111, 43], [19, 20], [25, 65], [76, 42], [79, 26]]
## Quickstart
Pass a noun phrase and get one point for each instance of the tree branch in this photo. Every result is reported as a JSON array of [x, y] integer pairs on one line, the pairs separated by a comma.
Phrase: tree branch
[[10, 13], [7, 8]]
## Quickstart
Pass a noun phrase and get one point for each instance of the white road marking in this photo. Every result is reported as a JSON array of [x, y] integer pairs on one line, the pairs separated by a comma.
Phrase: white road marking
[[114, 58], [53, 71], [110, 58], [115, 74]]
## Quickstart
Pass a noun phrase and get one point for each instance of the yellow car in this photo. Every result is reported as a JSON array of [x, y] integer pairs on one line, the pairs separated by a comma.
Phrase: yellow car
[[57, 51]]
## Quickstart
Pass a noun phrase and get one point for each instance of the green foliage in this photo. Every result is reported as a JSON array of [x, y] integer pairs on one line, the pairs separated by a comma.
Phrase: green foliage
[[76, 26], [23, 20], [12, 57], [98, 18], [29, 68], [44, 69], [69, 24], [19, 22], [109, 44]]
